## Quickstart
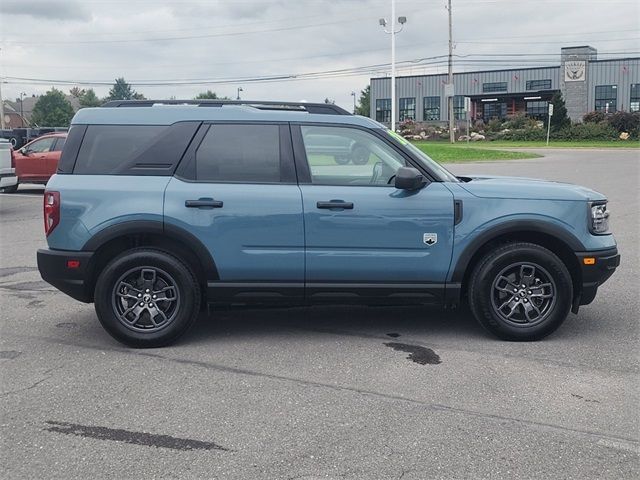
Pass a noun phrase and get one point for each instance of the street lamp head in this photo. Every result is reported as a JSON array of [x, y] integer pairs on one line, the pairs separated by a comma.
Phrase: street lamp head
[[383, 22], [402, 20]]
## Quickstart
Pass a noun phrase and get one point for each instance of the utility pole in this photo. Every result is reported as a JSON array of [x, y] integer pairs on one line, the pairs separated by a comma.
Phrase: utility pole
[[452, 137], [393, 32], [2, 125]]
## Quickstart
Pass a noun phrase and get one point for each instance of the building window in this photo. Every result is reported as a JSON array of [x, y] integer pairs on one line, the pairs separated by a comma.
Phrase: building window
[[538, 109], [494, 87], [539, 84], [494, 110], [634, 105], [606, 98], [459, 112], [431, 108], [407, 109], [383, 110]]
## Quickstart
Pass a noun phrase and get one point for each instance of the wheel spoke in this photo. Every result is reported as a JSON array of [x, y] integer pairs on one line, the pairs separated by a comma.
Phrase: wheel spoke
[[530, 307], [503, 284], [161, 295], [527, 274], [148, 277]]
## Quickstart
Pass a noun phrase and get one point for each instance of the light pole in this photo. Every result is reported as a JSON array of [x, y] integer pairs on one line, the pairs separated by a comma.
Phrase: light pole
[[353, 94], [22, 95], [393, 32], [238, 93]]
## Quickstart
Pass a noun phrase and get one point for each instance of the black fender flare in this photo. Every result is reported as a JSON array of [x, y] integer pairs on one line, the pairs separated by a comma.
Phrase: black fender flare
[[514, 226], [147, 227]]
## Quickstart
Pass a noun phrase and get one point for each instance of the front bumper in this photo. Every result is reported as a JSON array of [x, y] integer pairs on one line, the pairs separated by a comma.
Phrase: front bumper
[[595, 272], [58, 268]]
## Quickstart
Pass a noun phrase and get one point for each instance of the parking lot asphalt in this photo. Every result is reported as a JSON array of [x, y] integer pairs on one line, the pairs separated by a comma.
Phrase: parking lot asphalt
[[331, 392]]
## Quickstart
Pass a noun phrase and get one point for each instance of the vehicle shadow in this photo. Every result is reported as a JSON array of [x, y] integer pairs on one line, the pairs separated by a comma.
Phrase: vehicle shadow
[[417, 322]]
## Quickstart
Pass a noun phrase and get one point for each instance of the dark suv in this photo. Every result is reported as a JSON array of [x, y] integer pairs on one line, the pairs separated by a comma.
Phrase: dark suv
[[160, 207]]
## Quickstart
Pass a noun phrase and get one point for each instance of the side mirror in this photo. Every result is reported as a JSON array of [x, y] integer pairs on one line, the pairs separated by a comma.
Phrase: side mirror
[[24, 151], [408, 178]]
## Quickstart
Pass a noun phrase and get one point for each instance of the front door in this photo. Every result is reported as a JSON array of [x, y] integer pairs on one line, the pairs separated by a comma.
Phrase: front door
[[364, 237], [31, 166], [236, 192]]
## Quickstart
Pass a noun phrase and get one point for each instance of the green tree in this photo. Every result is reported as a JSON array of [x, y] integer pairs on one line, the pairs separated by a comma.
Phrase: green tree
[[77, 92], [559, 119], [89, 99], [364, 102], [208, 95], [52, 110], [121, 90]]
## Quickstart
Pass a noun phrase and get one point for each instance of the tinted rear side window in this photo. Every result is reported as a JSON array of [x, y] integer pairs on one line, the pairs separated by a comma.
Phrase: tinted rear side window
[[60, 144], [106, 148], [240, 153]]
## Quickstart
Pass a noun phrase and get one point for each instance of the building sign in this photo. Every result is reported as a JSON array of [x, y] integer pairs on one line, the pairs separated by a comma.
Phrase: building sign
[[574, 71]]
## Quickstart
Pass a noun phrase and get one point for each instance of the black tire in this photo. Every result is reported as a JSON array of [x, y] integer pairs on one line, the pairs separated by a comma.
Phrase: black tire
[[529, 313], [341, 159], [9, 189], [360, 155], [119, 284]]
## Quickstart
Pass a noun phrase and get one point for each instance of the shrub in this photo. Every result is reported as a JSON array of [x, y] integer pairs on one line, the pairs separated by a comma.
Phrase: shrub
[[494, 125], [586, 131], [522, 135], [594, 117], [625, 122], [520, 121]]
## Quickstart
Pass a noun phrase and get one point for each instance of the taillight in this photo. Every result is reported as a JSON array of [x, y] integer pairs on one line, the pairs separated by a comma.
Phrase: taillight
[[51, 211]]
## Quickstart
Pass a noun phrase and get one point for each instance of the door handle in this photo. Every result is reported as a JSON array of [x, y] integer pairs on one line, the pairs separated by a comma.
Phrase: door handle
[[335, 204], [203, 203]]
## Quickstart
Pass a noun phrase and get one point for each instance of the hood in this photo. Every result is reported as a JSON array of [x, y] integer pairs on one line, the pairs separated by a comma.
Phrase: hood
[[526, 188]]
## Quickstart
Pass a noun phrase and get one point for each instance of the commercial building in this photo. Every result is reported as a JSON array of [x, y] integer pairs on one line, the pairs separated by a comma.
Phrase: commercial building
[[586, 83]]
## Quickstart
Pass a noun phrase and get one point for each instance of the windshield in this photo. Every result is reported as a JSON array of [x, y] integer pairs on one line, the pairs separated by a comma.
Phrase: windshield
[[425, 159]]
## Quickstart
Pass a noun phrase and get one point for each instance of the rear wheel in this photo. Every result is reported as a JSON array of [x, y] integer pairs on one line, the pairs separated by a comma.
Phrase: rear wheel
[[520, 291], [147, 298]]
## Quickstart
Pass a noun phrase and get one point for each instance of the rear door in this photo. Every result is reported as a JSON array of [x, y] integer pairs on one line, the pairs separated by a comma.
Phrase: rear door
[[236, 191], [364, 237], [53, 157]]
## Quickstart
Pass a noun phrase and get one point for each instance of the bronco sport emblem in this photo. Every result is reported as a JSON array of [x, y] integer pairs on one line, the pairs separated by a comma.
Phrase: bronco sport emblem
[[430, 238]]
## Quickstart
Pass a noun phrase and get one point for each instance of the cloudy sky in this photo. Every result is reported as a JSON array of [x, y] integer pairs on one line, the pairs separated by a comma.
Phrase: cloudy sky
[[224, 44]]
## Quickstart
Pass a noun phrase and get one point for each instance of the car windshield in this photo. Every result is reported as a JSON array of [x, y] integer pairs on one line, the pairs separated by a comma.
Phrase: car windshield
[[425, 159]]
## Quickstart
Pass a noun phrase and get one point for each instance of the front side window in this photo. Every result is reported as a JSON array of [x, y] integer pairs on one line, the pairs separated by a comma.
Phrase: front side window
[[383, 110], [606, 98], [407, 109], [634, 105], [494, 87], [431, 108], [349, 156], [41, 146], [239, 153]]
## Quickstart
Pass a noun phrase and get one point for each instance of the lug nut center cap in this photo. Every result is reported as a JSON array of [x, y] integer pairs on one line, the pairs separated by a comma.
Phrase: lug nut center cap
[[146, 297]]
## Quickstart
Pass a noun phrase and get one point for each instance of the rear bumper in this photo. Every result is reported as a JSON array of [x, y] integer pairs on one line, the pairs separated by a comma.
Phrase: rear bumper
[[594, 275], [55, 269]]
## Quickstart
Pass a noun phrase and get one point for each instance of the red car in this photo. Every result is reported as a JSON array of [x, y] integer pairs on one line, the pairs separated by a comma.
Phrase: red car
[[38, 159]]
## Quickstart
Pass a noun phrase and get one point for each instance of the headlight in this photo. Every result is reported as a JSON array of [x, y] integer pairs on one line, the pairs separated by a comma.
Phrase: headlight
[[599, 220]]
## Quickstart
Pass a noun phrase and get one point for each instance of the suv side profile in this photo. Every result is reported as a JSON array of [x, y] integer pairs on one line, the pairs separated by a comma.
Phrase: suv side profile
[[161, 207]]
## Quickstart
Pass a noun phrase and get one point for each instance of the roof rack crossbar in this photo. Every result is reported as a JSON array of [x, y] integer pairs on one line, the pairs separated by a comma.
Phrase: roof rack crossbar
[[318, 108]]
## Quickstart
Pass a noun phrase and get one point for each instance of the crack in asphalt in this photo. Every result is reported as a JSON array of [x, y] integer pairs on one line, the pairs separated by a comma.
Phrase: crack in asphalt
[[342, 388]]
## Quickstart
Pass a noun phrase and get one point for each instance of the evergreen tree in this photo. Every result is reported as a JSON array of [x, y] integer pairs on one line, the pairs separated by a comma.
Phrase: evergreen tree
[[364, 102], [559, 119], [89, 99], [121, 90], [208, 95], [52, 110]]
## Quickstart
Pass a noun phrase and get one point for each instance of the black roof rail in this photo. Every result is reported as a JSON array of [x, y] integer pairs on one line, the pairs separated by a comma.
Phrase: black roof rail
[[321, 108]]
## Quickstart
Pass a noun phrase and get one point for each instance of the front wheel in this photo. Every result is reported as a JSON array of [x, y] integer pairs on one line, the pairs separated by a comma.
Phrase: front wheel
[[147, 298], [520, 291], [9, 189]]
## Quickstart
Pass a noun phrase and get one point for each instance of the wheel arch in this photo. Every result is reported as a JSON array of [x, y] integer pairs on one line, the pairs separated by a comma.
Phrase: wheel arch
[[115, 239], [559, 241]]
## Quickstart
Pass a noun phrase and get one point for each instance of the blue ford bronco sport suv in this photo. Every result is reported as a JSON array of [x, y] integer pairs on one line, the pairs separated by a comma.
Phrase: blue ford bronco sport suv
[[161, 207]]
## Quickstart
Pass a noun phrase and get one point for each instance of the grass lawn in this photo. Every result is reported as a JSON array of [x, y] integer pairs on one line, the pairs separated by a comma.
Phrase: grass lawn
[[460, 152], [560, 144]]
